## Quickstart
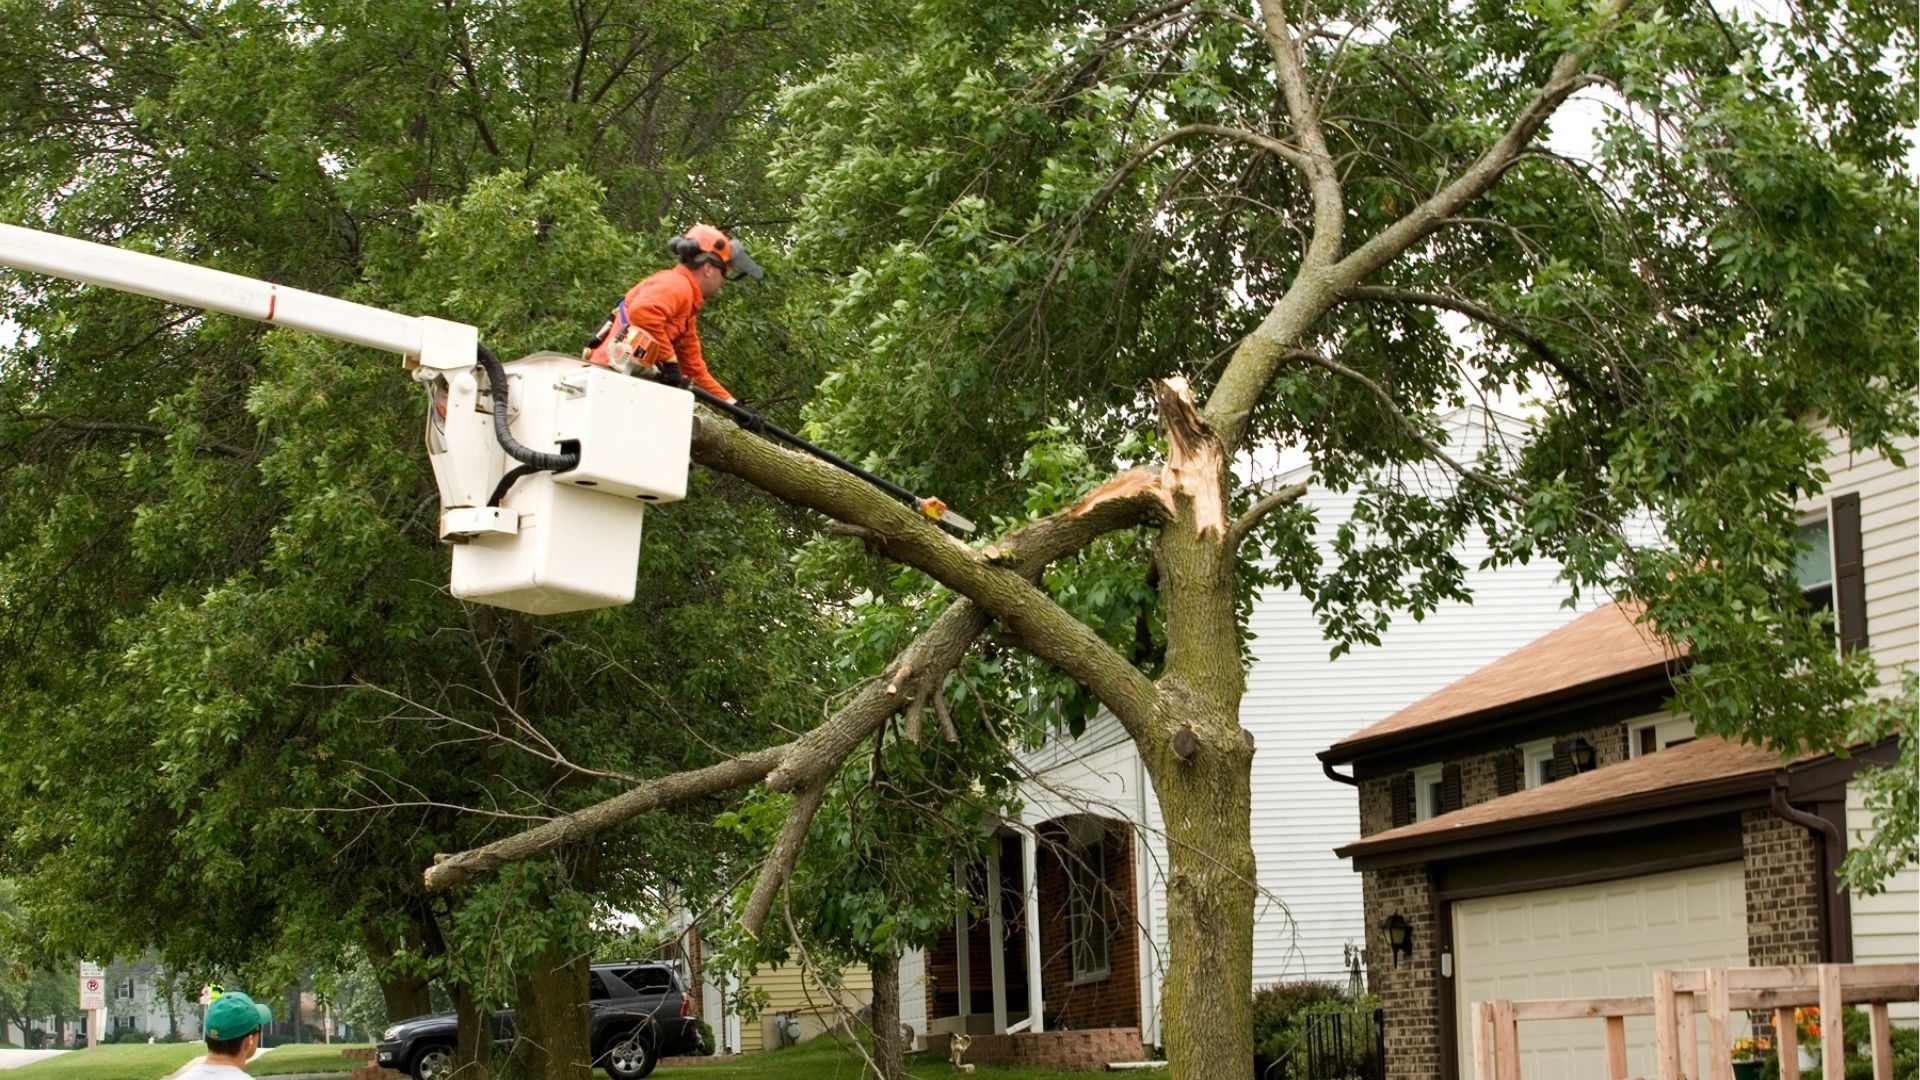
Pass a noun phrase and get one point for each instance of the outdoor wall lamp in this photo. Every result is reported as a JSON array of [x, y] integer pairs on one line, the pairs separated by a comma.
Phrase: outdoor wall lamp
[[1583, 758], [1399, 936]]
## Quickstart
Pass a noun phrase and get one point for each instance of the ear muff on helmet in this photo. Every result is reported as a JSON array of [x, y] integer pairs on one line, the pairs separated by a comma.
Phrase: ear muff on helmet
[[703, 243]]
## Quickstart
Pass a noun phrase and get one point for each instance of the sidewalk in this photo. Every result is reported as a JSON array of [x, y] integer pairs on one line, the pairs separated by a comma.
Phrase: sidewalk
[[13, 1059]]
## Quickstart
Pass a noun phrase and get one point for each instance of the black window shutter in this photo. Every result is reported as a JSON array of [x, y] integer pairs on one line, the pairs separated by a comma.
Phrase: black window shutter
[[1562, 758], [1849, 572], [1506, 773], [1402, 800], [1450, 789]]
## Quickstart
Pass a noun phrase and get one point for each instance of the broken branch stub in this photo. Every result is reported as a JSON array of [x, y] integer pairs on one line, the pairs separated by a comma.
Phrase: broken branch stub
[[1196, 459]]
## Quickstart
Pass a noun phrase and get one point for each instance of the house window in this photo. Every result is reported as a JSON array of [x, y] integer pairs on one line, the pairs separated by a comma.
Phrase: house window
[[1088, 929], [125, 1023], [1537, 759], [124, 991], [1644, 739], [1428, 785], [1813, 570]]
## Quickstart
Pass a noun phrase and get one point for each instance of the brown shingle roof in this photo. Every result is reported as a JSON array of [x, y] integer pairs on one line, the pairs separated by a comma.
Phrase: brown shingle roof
[[1672, 776], [1604, 644]]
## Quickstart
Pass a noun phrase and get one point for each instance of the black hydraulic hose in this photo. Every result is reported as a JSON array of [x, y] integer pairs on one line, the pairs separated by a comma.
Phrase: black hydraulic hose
[[540, 461], [755, 422], [506, 482]]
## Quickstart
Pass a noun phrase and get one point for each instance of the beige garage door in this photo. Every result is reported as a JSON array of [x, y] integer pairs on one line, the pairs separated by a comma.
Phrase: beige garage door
[[1593, 941]]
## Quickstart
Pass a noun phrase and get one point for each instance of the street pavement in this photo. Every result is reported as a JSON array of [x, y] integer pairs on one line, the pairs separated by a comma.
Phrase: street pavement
[[13, 1059]]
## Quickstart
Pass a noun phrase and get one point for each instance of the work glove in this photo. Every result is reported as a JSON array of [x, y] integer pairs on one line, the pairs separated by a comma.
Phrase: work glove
[[749, 419], [669, 374]]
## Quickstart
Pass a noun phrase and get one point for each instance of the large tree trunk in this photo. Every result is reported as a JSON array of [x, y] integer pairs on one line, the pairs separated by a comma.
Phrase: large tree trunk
[[550, 1017], [473, 1052], [1201, 761], [889, 1049], [1206, 1004], [406, 993]]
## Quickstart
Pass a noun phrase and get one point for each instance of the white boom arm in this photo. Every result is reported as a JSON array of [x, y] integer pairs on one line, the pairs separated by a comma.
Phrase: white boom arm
[[432, 344]]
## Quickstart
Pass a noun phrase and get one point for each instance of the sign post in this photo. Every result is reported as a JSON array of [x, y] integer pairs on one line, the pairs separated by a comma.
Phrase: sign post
[[93, 999]]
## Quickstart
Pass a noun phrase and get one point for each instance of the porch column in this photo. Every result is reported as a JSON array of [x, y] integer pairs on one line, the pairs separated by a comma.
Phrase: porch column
[[962, 960], [997, 941], [1030, 874]]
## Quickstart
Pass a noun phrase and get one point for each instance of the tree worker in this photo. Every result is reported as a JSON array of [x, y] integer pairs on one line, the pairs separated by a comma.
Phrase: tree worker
[[656, 325]]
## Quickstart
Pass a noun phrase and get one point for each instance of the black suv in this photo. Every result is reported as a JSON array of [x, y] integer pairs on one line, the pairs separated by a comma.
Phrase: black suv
[[638, 1011]]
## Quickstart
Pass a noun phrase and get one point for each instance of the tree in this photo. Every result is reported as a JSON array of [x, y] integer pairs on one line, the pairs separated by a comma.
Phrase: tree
[[1316, 228], [227, 693]]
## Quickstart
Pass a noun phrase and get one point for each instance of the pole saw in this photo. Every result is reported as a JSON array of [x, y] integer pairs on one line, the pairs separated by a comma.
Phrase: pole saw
[[930, 507]]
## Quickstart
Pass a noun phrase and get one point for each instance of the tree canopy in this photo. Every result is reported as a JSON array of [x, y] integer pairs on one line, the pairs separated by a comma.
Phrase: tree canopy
[[1069, 265]]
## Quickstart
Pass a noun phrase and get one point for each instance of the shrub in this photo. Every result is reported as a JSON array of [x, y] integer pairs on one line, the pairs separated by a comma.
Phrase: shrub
[[1280, 1011]]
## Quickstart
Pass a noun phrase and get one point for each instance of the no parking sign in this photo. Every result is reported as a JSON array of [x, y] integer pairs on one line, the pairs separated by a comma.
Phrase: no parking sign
[[93, 987]]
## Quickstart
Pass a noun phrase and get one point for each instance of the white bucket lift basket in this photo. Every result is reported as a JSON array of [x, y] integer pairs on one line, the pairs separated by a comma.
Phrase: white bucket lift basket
[[558, 541]]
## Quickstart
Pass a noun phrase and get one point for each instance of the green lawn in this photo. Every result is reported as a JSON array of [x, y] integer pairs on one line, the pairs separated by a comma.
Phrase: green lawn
[[823, 1059], [123, 1061], [304, 1058]]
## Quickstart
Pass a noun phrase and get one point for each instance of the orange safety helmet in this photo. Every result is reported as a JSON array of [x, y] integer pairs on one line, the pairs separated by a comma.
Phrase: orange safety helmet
[[704, 242]]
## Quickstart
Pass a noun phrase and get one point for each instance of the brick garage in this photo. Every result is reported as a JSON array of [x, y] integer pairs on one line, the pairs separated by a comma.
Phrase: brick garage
[[1599, 684]]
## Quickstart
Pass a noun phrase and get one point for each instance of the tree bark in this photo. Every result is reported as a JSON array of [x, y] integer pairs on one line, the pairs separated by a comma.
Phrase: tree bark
[[889, 1049], [405, 993], [473, 1052], [1201, 761], [550, 1017]]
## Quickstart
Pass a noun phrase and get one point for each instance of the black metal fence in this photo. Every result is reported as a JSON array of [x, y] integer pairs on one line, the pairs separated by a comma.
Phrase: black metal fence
[[1350, 1044]]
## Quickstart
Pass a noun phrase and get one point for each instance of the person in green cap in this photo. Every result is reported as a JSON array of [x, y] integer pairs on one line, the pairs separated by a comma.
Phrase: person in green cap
[[232, 1029]]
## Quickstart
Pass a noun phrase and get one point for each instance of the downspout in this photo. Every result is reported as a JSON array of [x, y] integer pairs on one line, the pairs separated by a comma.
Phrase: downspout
[[1327, 767], [1143, 877], [1835, 940]]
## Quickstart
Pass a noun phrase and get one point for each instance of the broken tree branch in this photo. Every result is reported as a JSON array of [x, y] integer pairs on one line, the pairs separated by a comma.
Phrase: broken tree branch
[[450, 870], [1027, 550], [1196, 461], [779, 862], [1045, 629]]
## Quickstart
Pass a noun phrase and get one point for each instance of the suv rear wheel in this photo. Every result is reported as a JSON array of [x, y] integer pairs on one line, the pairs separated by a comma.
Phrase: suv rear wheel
[[433, 1062], [632, 1057]]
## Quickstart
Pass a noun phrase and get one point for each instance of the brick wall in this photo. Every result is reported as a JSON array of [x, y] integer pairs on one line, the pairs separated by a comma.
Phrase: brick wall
[[1088, 1050], [1409, 991], [1477, 775], [1783, 902], [1112, 1000]]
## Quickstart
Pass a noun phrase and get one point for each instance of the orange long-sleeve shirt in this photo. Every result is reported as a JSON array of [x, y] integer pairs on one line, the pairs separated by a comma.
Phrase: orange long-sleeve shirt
[[667, 305]]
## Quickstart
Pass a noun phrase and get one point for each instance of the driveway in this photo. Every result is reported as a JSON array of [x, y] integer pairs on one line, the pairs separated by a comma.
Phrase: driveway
[[13, 1059]]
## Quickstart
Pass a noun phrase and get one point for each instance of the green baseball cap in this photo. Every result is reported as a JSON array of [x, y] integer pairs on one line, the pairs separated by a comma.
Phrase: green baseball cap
[[234, 1014]]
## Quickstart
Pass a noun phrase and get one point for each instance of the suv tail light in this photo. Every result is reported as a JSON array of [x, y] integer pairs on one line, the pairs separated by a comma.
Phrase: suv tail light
[[686, 1003]]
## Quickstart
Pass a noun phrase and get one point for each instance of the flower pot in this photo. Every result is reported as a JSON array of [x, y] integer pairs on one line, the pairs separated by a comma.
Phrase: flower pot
[[1748, 1070], [1809, 1057]]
